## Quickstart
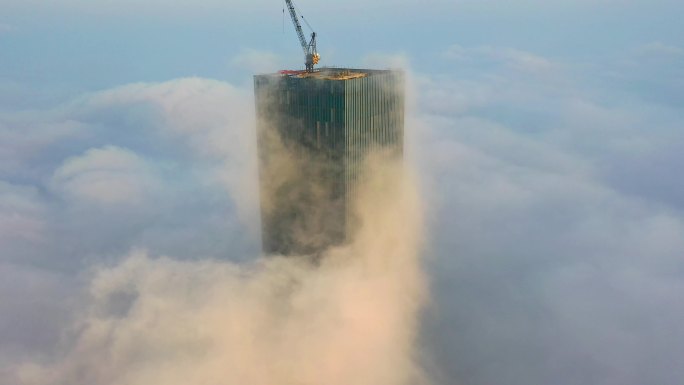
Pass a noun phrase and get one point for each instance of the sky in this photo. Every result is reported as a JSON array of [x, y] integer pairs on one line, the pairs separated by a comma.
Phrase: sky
[[546, 136]]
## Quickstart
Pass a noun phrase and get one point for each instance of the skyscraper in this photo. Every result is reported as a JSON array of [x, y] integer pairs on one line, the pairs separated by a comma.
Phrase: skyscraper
[[314, 131]]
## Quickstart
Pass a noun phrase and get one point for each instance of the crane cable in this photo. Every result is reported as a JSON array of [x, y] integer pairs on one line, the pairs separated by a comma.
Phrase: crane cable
[[307, 23], [299, 12]]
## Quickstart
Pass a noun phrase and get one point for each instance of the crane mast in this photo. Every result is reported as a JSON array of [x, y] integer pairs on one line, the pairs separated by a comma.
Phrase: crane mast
[[312, 57]]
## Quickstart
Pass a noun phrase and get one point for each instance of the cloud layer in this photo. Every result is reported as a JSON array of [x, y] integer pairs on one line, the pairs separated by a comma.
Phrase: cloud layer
[[168, 168], [351, 318], [558, 232], [554, 222], [154, 166]]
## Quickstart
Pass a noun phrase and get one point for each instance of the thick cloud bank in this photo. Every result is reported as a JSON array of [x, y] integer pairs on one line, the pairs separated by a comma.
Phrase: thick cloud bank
[[350, 318], [558, 217], [194, 317], [168, 168]]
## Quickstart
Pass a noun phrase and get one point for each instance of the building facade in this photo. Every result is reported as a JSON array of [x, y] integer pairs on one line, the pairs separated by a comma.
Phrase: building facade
[[314, 131]]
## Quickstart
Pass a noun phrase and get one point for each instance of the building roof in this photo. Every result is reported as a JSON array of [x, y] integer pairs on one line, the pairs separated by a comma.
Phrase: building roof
[[329, 73]]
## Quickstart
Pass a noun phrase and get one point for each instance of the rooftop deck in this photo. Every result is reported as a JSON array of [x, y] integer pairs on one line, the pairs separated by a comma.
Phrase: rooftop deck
[[329, 73]]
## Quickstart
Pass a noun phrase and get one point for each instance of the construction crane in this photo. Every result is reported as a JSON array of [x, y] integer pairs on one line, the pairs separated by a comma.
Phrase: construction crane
[[312, 57]]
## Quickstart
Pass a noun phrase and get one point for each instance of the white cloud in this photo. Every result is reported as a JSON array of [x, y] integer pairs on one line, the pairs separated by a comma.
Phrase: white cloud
[[520, 240], [158, 166], [106, 176], [351, 317], [511, 57], [138, 152], [21, 214], [541, 246], [659, 48], [213, 121], [25, 139]]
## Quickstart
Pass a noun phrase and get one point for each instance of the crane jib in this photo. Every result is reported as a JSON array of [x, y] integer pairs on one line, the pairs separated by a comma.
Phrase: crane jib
[[309, 48], [298, 27]]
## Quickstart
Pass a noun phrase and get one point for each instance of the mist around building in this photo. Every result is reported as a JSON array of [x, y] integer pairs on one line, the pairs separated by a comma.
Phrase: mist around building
[[336, 295], [349, 317]]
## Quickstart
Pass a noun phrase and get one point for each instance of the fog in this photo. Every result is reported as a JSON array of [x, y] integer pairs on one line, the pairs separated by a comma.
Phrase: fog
[[350, 318], [350, 315], [551, 242]]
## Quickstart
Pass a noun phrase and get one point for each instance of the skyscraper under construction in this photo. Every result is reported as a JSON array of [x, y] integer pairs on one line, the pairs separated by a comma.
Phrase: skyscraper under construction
[[314, 130]]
